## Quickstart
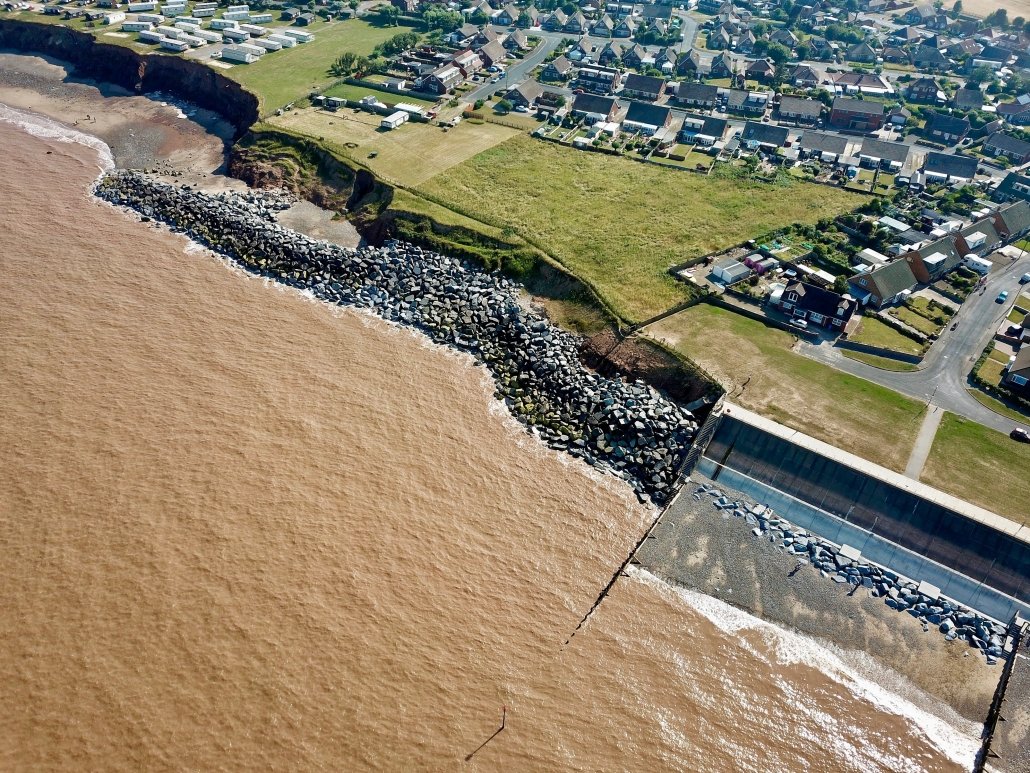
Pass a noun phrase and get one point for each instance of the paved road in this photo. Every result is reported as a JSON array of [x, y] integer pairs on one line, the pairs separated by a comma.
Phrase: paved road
[[944, 375], [519, 70]]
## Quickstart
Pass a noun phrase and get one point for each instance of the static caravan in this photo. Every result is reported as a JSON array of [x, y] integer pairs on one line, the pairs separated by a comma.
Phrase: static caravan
[[170, 32], [233, 8], [153, 18], [175, 45], [193, 41], [409, 109], [137, 26], [210, 37], [236, 54], [204, 6], [114, 18], [394, 120], [224, 24], [269, 45], [250, 29], [282, 40], [255, 50], [237, 15], [174, 10], [204, 13], [299, 35], [236, 36], [138, 7], [187, 23], [151, 36], [261, 18]]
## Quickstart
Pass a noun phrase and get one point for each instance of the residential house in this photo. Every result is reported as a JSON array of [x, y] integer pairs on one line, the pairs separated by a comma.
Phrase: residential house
[[920, 14], [784, 37], [829, 148], [926, 90], [694, 65], [593, 109], [525, 94], [895, 55], [719, 40], [929, 58], [761, 70], [582, 51], [944, 128], [530, 17], [885, 155], [646, 118], [483, 36], [656, 11], [747, 102], [558, 69], [469, 62], [946, 167], [442, 80], [1015, 187], [745, 42], [517, 41], [968, 99], [803, 76], [1012, 221], [556, 21], [625, 28], [611, 54], [899, 116], [1017, 112], [763, 136], [1012, 148], [883, 285], [1017, 377], [463, 36], [643, 87], [909, 35], [800, 110], [980, 238], [665, 60], [599, 80], [815, 305], [507, 16], [703, 129], [721, 67], [575, 24], [967, 47], [861, 83], [933, 260], [820, 49], [603, 27], [634, 56], [493, 53], [860, 52], [856, 114], [697, 95]]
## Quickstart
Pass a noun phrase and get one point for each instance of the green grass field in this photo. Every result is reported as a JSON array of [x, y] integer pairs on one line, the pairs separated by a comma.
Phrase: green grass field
[[998, 406], [290, 74], [352, 91], [618, 223], [875, 333], [835, 407], [980, 465], [884, 363]]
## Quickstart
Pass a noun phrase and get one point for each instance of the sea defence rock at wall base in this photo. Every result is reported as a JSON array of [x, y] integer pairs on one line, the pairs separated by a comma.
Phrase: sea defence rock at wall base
[[623, 428]]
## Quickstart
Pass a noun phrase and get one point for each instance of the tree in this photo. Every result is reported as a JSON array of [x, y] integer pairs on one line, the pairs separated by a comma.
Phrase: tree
[[503, 106], [778, 52], [980, 75], [840, 285], [437, 18], [999, 18], [956, 9], [386, 15], [525, 20], [345, 65], [802, 52]]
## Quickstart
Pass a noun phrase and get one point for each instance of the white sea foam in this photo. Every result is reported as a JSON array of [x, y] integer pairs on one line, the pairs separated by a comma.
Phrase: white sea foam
[[49, 129], [790, 647]]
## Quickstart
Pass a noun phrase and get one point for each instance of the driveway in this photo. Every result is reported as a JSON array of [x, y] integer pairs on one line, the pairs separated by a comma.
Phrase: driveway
[[943, 377]]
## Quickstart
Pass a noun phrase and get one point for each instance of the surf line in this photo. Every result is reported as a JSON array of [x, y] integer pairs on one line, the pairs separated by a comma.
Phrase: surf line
[[622, 567]]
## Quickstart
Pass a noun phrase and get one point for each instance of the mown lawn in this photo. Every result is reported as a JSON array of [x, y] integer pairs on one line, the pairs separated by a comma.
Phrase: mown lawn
[[618, 223], [875, 333], [756, 366], [288, 75], [884, 363], [982, 466]]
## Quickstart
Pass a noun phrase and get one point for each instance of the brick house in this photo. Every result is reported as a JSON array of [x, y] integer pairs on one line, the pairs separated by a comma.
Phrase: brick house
[[856, 114]]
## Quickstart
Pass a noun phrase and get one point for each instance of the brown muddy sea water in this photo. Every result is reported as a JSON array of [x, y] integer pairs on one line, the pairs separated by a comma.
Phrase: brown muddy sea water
[[241, 530]]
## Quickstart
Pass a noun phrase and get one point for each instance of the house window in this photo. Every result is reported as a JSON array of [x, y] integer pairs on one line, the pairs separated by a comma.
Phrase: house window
[[863, 282], [792, 296], [1019, 380]]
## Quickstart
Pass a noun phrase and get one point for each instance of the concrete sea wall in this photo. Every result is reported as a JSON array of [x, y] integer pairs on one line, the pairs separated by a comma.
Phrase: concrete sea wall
[[626, 429]]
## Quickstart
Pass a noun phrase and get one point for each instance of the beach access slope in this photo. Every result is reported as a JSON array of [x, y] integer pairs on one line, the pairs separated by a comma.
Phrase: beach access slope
[[627, 429], [140, 73]]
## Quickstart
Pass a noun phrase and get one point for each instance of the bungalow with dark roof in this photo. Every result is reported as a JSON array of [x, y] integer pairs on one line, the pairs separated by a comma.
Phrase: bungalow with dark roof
[[599, 80], [643, 87], [944, 128], [814, 304], [929, 58], [968, 99], [558, 69], [702, 129], [856, 114], [1017, 112], [980, 238], [1012, 221], [697, 94], [1015, 187], [1012, 148], [592, 108], [1017, 376], [761, 70], [826, 147], [493, 53], [884, 285], [747, 102], [860, 52], [804, 77], [645, 118], [525, 94], [926, 90], [946, 167], [800, 110], [763, 136], [885, 155]]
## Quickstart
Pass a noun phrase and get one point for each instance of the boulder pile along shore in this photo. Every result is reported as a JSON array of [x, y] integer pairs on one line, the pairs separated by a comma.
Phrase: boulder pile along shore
[[905, 595], [626, 429]]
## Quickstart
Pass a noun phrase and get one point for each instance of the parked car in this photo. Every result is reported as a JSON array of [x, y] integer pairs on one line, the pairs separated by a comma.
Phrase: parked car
[[800, 324], [1024, 279], [521, 109], [1002, 297], [1020, 435]]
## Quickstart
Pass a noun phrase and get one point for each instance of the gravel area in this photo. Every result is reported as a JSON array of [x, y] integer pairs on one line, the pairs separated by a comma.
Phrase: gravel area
[[698, 546]]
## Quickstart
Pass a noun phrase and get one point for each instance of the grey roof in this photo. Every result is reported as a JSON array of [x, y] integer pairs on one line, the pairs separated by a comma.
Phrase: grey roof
[[946, 124], [1016, 216], [820, 301], [945, 246], [764, 133], [697, 91], [646, 83], [889, 151], [1008, 144], [950, 165], [812, 108], [984, 226], [591, 103], [645, 112], [892, 278], [861, 106], [822, 142], [968, 99]]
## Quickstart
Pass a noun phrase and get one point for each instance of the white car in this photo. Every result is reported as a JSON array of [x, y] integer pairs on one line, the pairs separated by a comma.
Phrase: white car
[[521, 109]]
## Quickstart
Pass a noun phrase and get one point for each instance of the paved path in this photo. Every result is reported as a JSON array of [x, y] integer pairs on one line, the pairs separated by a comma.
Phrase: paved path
[[944, 377], [921, 450]]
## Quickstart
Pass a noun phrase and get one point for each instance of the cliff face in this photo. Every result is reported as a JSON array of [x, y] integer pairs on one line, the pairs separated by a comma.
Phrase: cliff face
[[186, 79]]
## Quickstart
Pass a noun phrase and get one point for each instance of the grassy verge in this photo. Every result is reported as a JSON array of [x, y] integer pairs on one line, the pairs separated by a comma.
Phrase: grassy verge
[[620, 224], [875, 333], [756, 366], [980, 465], [998, 406], [884, 363], [914, 320], [287, 75]]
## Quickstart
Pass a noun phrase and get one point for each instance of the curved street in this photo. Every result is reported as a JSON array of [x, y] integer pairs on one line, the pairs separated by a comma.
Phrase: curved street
[[944, 375]]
